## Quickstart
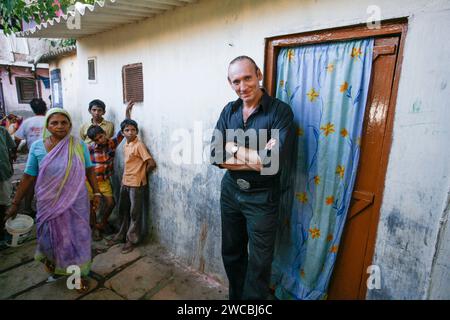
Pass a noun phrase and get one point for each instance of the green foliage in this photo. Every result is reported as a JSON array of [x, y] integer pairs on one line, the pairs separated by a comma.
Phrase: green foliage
[[63, 43], [14, 11]]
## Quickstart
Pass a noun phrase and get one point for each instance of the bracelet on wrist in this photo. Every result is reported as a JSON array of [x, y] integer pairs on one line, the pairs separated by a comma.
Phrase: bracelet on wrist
[[97, 194]]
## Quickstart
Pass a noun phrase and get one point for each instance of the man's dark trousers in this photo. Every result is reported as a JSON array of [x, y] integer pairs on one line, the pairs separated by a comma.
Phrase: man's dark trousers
[[248, 218]]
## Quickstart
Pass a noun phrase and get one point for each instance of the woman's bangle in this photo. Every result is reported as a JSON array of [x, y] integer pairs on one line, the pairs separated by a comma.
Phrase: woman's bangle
[[97, 194]]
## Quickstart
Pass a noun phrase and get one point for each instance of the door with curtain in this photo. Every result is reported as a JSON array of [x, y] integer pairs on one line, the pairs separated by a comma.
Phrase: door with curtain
[[327, 229], [350, 271]]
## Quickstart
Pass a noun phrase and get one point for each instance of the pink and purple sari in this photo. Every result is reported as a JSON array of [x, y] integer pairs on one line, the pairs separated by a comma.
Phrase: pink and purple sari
[[63, 231]]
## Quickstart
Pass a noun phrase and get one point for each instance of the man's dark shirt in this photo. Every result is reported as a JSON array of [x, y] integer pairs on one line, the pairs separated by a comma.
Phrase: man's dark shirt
[[270, 114]]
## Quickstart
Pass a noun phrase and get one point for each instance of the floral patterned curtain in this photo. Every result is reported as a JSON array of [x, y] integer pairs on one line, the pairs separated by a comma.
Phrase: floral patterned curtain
[[326, 86]]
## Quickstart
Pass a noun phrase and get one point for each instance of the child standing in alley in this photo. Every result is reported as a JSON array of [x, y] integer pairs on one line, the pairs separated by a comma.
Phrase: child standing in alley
[[138, 163], [97, 109], [102, 151]]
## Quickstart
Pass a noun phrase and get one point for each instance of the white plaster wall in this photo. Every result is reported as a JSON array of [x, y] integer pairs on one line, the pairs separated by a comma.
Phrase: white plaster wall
[[439, 287], [418, 178], [69, 82], [185, 55]]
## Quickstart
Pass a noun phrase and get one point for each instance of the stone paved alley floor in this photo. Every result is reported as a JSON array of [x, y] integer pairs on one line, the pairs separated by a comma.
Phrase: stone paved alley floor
[[147, 273]]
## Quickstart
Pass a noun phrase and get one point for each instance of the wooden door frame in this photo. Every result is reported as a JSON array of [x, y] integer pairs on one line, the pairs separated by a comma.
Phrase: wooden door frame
[[398, 27]]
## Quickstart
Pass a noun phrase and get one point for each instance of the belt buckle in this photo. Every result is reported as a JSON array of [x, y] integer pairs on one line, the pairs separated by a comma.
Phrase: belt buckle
[[243, 184]]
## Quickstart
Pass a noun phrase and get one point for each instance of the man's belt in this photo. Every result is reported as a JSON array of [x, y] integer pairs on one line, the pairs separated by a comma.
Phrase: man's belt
[[248, 185]]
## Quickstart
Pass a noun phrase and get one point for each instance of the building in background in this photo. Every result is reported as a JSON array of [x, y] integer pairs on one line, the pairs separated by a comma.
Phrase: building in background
[[21, 77], [63, 72]]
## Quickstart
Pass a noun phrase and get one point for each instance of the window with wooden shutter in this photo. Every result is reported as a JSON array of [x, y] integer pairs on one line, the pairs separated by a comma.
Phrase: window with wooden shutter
[[26, 90], [133, 83], [92, 69]]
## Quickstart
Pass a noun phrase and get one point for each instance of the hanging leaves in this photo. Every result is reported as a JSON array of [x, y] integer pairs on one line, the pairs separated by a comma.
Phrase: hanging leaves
[[13, 12]]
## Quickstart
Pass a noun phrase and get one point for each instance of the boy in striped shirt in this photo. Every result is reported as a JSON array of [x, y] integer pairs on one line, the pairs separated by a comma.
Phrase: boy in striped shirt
[[102, 151]]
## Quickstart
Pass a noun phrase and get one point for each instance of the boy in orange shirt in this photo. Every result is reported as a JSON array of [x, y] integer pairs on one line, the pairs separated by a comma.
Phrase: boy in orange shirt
[[138, 163]]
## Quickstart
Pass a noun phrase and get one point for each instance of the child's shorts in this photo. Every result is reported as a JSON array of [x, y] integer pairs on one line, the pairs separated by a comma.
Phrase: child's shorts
[[104, 187]]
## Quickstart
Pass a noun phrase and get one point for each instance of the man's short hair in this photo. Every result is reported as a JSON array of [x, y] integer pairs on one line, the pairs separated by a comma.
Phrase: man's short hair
[[93, 131], [241, 58], [38, 106], [129, 122], [97, 103]]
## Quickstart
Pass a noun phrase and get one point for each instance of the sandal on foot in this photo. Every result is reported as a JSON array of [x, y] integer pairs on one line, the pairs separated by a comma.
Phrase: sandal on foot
[[127, 248], [96, 236], [52, 278], [49, 267], [84, 286], [112, 242]]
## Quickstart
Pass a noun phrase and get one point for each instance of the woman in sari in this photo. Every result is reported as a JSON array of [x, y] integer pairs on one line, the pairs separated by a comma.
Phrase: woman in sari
[[59, 164]]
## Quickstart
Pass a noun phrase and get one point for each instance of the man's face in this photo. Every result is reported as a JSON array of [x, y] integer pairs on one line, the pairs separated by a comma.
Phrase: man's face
[[244, 80], [97, 113], [100, 139], [130, 132]]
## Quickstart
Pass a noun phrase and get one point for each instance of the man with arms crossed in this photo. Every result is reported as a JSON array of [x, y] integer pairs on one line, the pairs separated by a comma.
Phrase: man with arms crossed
[[251, 139]]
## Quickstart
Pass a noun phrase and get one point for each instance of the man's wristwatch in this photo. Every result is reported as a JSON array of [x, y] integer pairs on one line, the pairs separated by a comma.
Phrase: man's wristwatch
[[234, 150]]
